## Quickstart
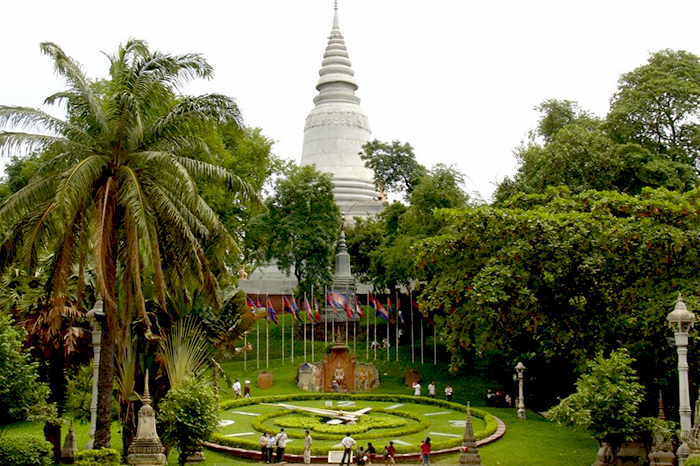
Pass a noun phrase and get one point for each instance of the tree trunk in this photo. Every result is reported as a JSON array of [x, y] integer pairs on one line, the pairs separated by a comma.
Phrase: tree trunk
[[57, 395], [107, 371]]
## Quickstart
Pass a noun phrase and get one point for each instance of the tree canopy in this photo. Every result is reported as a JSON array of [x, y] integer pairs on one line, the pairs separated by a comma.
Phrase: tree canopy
[[121, 185], [554, 278]]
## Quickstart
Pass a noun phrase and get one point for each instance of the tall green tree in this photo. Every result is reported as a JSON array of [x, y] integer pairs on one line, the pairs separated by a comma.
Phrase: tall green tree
[[394, 165], [302, 226], [572, 148], [657, 105], [120, 186]]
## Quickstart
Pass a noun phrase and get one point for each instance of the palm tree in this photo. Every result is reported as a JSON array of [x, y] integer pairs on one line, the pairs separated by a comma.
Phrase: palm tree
[[119, 182]]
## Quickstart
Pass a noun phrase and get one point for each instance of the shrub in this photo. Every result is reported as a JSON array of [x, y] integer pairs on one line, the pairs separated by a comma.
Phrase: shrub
[[103, 457], [25, 450], [189, 415], [694, 461]]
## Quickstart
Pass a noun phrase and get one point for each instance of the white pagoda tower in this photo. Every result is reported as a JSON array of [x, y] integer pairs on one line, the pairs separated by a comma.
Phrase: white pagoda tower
[[337, 128]]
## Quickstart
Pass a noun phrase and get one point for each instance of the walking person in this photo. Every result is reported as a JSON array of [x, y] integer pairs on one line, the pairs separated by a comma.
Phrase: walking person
[[371, 452], [425, 452], [246, 389], [281, 441], [416, 388], [448, 392], [348, 442], [307, 448], [385, 455], [431, 389], [263, 448], [270, 447], [236, 389], [392, 452]]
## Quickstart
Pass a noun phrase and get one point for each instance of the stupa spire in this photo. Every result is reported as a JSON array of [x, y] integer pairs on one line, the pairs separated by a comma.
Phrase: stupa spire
[[337, 128]]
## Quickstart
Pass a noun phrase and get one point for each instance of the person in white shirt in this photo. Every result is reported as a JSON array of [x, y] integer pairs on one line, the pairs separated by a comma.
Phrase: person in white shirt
[[236, 389], [348, 442], [448, 392], [281, 441], [431, 389], [263, 447], [271, 440], [307, 448], [416, 389]]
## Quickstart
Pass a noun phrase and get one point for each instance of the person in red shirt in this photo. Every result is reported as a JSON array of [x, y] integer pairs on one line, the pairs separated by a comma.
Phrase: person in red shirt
[[392, 452], [425, 452]]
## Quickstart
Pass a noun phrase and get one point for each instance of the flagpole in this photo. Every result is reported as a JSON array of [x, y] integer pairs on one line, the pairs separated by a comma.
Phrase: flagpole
[[245, 351], [367, 327], [413, 340], [325, 316], [257, 329], [397, 324], [267, 334], [347, 325], [282, 317], [375, 334], [293, 319], [306, 321], [422, 319], [434, 343], [388, 338]]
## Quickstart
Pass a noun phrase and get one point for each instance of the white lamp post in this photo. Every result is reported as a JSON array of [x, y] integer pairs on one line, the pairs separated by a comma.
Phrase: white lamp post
[[681, 320], [520, 368], [95, 316]]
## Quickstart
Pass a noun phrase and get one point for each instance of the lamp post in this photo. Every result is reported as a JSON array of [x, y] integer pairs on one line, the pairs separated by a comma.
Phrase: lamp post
[[681, 320], [95, 316], [520, 368]]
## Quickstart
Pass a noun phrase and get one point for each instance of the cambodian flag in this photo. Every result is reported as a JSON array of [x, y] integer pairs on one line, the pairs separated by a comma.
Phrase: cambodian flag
[[271, 313], [317, 314], [358, 308]]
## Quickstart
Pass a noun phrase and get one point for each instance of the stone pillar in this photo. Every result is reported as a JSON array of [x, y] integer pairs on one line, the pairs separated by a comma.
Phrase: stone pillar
[[146, 449], [93, 317], [69, 448]]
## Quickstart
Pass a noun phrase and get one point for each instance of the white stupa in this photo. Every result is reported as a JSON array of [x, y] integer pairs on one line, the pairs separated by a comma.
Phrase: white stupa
[[337, 128]]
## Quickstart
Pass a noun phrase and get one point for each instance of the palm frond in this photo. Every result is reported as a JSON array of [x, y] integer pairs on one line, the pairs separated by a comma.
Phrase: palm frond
[[185, 350], [77, 186]]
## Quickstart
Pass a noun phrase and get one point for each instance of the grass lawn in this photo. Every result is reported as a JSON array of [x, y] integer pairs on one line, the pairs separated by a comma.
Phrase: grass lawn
[[531, 442]]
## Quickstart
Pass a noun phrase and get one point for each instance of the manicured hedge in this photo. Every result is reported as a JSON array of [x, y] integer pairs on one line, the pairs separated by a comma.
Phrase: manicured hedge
[[25, 450], [258, 423], [103, 457]]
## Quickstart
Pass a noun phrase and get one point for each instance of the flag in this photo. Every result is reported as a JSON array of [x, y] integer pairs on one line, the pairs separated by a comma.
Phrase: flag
[[257, 302], [307, 309], [380, 311], [401, 317], [271, 314], [317, 313], [249, 303], [329, 300], [342, 303], [295, 308], [358, 308], [287, 307], [371, 301]]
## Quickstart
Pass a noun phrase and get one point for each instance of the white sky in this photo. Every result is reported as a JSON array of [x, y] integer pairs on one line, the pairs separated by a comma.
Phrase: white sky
[[456, 79]]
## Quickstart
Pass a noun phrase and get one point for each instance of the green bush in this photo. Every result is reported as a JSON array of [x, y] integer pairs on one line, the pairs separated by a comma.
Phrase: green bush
[[25, 450], [694, 461], [103, 457], [188, 416]]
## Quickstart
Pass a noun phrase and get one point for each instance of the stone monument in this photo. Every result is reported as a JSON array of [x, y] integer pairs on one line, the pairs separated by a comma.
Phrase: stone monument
[[339, 366], [146, 449], [337, 128], [469, 451]]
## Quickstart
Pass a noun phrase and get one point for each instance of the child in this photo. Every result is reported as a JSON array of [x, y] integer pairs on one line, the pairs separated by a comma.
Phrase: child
[[386, 455]]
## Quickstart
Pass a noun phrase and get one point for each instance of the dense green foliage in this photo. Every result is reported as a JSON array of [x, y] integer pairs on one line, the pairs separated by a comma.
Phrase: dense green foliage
[[118, 191], [20, 392], [394, 165], [607, 401], [188, 416], [102, 457], [553, 279], [25, 450], [301, 227]]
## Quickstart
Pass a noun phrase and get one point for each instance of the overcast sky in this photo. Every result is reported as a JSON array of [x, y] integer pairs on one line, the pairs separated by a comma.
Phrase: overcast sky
[[456, 79]]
